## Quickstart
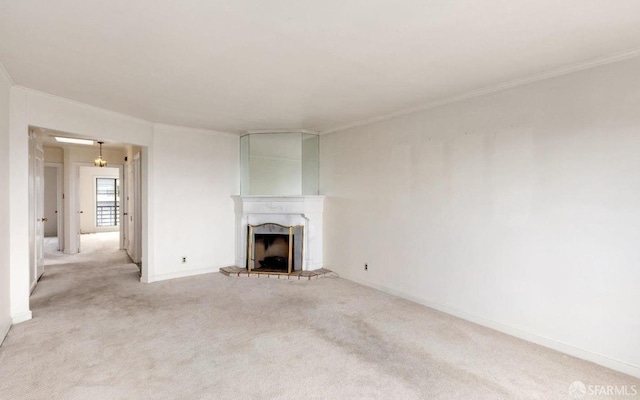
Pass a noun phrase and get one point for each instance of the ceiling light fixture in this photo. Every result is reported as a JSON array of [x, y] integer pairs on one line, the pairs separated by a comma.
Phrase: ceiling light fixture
[[73, 140], [99, 162]]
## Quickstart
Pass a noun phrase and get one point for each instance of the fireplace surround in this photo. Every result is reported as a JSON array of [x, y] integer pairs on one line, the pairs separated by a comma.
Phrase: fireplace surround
[[298, 212]]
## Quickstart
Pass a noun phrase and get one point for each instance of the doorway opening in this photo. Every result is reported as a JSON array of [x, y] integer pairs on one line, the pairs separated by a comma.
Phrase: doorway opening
[[98, 193], [80, 213]]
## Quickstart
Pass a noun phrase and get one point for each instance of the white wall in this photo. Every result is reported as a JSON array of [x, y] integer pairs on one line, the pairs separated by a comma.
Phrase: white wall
[[33, 108], [196, 174], [87, 187], [519, 210], [5, 283], [19, 206]]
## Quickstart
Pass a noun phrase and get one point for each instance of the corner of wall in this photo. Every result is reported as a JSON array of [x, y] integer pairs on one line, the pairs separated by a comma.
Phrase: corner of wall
[[6, 83], [4, 330], [18, 206], [21, 317], [4, 73]]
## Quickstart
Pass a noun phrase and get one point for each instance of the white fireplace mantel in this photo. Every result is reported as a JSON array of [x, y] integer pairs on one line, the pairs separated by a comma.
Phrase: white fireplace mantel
[[306, 211]]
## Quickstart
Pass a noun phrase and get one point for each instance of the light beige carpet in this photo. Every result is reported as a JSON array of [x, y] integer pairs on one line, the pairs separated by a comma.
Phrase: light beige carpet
[[97, 333]]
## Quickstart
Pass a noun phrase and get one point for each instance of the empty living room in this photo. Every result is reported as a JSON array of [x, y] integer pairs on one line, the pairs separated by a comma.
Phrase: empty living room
[[320, 199]]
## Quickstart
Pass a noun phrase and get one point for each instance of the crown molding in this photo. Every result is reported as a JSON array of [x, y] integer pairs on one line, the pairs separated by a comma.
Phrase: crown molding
[[251, 131], [5, 73], [203, 131], [593, 63]]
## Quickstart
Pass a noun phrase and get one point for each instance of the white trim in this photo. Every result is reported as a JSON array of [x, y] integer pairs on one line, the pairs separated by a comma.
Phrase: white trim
[[74, 228], [251, 131], [21, 317], [4, 331], [617, 365], [123, 200], [5, 73], [137, 210], [186, 129], [33, 286], [596, 62], [181, 274]]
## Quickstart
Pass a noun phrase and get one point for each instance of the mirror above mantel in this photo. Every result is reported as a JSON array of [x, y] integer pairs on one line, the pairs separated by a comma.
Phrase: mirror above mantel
[[279, 163]]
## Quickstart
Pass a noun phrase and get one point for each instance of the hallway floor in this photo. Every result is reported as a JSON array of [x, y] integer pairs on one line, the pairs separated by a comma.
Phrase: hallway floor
[[91, 245]]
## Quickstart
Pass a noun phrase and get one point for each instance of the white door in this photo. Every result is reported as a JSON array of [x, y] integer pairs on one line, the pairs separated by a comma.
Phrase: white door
[[137, 210], [124, 206], [60, 208], [39, 211], [78, 207]]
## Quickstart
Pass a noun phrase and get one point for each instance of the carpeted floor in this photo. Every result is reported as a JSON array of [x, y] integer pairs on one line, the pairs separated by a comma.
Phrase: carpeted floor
[[97, 333]]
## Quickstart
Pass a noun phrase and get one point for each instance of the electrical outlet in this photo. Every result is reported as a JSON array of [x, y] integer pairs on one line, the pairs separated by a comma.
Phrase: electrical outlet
[[366, 266], [184, 259]]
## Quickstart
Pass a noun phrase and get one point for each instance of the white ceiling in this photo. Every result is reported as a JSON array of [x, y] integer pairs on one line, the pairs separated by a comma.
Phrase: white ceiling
[[236, 65]]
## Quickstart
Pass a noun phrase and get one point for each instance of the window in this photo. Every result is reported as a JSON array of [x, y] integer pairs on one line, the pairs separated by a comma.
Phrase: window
[[107, 202]]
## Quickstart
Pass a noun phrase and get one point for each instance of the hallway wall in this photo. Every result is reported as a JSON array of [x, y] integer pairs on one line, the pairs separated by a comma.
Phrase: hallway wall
[[5, 166]]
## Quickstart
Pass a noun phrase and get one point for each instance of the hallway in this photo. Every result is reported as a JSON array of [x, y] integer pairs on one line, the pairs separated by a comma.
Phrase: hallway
[[94, 246]]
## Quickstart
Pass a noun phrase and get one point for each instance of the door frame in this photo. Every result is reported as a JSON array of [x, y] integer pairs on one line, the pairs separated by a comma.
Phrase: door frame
[[137, 209], [74, 203], [36, 210], [59, 200]]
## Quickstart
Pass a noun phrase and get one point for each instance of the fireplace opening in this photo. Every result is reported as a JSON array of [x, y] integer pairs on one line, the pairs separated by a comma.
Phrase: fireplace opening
[[271, 253], [274, 248]]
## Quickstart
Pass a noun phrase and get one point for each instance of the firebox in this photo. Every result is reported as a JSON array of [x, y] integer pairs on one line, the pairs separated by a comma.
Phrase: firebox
[[274, 248]]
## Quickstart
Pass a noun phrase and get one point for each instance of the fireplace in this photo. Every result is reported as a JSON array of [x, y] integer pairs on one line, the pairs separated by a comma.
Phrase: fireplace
[[274, 248], [277, 215]]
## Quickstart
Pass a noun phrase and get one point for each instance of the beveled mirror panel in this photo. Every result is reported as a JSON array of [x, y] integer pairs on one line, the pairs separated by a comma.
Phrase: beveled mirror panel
[[279, 164]]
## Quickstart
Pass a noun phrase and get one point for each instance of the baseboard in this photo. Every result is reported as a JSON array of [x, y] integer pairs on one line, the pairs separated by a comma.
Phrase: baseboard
[[181, 274], [4, 330], [20, 317], [565, 348]]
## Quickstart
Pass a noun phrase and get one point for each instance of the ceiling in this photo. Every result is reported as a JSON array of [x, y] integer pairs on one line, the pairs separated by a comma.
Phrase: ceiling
[[237, 65]]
